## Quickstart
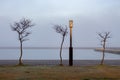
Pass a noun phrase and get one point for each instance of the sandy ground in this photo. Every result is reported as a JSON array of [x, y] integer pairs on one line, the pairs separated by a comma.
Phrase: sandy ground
[[65, 62]]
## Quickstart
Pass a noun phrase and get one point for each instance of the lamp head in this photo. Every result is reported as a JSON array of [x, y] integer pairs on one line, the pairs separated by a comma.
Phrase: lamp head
[[70, 23]]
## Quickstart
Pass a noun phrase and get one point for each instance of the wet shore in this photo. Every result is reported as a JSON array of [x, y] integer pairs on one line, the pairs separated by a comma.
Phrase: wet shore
[[56, 62]]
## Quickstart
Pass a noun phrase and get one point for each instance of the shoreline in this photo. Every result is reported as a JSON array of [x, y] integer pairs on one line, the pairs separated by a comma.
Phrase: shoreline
[[56, 62]]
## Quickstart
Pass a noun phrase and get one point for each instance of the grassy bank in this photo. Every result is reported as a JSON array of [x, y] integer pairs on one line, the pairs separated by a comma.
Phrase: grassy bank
[[59, 73]]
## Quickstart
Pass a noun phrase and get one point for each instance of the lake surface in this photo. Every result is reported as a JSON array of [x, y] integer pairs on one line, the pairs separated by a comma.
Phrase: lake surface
[[53, 54]]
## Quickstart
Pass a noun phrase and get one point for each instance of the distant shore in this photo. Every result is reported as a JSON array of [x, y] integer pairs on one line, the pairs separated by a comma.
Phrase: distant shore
[[56, 62], [114, 51]]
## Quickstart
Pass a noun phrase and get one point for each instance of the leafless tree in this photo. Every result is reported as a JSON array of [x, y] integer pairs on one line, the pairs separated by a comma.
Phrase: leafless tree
[[63, 31], [104, 36], [21, 28]]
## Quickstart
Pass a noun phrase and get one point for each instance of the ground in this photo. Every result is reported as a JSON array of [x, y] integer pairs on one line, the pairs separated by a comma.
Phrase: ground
[[26, 72]]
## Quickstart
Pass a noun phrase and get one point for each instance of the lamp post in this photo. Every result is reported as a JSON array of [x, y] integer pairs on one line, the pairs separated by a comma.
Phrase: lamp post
[[70, 48]]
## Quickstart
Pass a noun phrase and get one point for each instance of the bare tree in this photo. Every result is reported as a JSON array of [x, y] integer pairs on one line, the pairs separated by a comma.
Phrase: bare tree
[[63, 31], [21, 29], [104, 36]]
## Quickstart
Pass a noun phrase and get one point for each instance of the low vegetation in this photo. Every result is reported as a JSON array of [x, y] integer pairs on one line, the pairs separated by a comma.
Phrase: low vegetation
[[60, 73]]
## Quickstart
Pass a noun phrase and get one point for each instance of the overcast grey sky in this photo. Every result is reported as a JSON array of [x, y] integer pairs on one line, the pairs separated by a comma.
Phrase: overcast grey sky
[[89, 16]]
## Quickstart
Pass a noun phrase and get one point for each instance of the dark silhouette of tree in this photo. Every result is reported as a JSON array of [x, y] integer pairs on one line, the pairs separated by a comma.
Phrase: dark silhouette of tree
[[63, 31], [21, 28], [104, 36]]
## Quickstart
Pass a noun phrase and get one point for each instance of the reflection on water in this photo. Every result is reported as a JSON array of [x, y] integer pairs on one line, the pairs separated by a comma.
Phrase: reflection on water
[[53, 54]]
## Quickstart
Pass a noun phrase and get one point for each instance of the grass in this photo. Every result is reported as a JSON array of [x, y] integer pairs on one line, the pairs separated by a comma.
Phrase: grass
[[60, 73]]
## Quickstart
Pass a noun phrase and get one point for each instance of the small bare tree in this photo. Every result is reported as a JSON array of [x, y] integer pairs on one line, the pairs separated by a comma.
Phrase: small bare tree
[[21, 29], [104, 36], [63, 31]]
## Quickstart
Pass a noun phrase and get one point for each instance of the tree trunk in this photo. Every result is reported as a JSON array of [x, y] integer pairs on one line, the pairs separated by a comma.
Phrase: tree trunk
[[61, 51], [21, 52], [102, 61]]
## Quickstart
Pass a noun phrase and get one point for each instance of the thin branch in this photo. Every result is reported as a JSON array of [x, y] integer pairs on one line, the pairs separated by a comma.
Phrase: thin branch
[[59, 29]]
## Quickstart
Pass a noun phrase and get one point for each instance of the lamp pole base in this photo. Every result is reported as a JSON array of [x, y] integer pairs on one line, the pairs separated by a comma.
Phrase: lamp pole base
[[70, 56]]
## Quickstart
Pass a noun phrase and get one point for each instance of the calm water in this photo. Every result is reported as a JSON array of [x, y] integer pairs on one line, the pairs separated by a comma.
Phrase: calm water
[[53, 54]]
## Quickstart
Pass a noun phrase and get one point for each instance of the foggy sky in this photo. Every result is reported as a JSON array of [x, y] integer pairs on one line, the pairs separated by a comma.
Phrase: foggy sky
[[89, 16]]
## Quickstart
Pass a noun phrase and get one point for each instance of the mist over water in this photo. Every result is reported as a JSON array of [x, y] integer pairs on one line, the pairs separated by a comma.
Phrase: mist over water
[[53, 54]]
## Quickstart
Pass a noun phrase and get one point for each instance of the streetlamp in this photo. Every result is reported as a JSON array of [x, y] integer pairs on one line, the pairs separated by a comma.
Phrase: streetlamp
[[70, 48]]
